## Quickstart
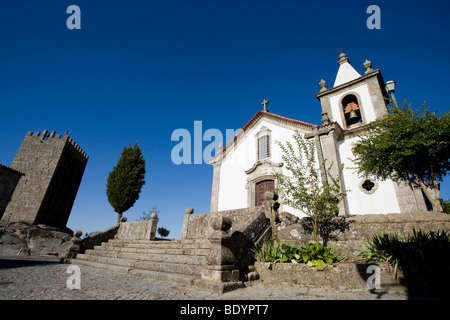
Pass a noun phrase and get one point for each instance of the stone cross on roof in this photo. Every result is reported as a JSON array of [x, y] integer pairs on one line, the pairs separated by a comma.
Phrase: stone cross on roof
[[264, 103]]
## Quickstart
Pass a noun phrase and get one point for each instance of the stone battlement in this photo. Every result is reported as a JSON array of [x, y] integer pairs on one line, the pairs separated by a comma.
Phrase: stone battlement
[[45, 135]]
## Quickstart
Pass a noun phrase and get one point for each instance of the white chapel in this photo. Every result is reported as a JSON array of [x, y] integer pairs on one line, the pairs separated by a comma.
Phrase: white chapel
[[243, 169]]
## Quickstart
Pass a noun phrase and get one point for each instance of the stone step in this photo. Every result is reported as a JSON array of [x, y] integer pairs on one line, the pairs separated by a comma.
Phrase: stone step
[[168, 251], [116, 268], [175, 244], [188, 280], [173, 267], [157, 257]]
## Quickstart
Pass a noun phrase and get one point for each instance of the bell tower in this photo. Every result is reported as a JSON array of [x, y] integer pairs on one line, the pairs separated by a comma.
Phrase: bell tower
[[355, 100]]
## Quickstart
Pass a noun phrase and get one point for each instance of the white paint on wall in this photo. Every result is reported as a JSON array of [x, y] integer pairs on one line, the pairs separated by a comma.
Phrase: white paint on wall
[[383, 200], [345, 74], [233, 179]]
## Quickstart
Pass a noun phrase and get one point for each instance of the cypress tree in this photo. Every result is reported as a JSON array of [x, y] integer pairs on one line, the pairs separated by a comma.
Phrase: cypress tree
[[125, 181]]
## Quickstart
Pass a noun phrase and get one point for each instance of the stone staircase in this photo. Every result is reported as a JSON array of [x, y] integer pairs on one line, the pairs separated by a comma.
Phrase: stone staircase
[[213, 254], [179, 261]]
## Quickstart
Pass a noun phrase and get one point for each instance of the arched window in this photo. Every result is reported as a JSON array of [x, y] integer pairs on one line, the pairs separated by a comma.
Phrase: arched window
[[352, 112]]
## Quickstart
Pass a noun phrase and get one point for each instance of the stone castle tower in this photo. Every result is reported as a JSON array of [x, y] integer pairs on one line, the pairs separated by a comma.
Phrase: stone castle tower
[[52, 168]]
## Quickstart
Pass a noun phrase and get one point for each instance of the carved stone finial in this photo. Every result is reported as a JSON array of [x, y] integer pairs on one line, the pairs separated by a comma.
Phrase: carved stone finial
[[270, 195], [323, 85], [77, 234], [221, 223], [325, 118], [343, 58], [368, 66], [189, 210]]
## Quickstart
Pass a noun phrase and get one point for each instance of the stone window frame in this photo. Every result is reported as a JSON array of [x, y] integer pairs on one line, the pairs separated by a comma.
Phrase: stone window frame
[[361, 111], [264, 131], [375, 187]]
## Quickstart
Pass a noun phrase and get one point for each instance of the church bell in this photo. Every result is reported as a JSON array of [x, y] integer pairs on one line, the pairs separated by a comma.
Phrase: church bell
[[353, 117]]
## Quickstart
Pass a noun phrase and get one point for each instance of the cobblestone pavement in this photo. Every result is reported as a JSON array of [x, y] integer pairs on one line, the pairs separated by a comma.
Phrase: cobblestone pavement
[[48, 281]]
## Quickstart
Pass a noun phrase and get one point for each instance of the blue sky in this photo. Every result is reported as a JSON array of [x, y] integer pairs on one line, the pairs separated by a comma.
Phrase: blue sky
[[138, 70]]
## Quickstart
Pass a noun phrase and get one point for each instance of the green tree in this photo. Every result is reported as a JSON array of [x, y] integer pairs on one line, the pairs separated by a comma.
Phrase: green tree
[[302, 187], [409, 146], [163, 232], [125, 181], [147, 215], [445, 205]]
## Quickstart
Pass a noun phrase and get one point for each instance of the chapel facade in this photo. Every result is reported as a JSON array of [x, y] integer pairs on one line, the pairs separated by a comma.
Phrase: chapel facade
[[243, 169]]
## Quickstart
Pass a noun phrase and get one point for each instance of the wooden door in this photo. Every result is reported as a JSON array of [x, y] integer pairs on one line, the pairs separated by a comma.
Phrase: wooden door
[[261, 188]]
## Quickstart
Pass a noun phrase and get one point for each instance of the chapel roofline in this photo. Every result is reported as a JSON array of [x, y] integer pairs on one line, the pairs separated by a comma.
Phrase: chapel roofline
[[253, 120]]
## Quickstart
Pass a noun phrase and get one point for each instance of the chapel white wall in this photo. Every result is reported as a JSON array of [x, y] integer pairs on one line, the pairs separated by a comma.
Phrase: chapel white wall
[[233, 179], [383, 200]]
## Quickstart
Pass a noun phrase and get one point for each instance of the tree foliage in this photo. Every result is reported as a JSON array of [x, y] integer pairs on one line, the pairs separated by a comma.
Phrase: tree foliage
[[163, 232], [407, 146], [302, 187], [125, 181], [147, 215]]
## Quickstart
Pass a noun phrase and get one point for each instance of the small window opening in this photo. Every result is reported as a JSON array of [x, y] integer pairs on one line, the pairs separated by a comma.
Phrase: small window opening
[[264, 149], [352, 112], [368, 185]]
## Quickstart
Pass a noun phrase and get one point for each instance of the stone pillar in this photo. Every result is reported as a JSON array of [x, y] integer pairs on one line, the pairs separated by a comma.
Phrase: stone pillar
[[153, 225], [326, 145], [270, 206], [184, 231], [215, 187], [220, 274]]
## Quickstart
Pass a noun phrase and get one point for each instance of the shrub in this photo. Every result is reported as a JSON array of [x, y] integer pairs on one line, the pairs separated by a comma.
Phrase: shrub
[[163, 232], [313, 254], [419, 252]]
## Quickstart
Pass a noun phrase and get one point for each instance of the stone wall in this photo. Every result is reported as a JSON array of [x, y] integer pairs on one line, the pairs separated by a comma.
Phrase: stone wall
[[138, 230], [357, 276], [351, 231], [97, 238], [232, 234], [197, 226], [349, 275], [8, 182]]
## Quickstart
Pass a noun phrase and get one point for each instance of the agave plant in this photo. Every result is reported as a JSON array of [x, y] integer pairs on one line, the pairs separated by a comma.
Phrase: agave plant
[[418, 252]]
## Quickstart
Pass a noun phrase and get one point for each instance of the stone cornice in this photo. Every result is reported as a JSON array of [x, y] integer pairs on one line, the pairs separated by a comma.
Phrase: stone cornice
[[350, 83], [258, 163]]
